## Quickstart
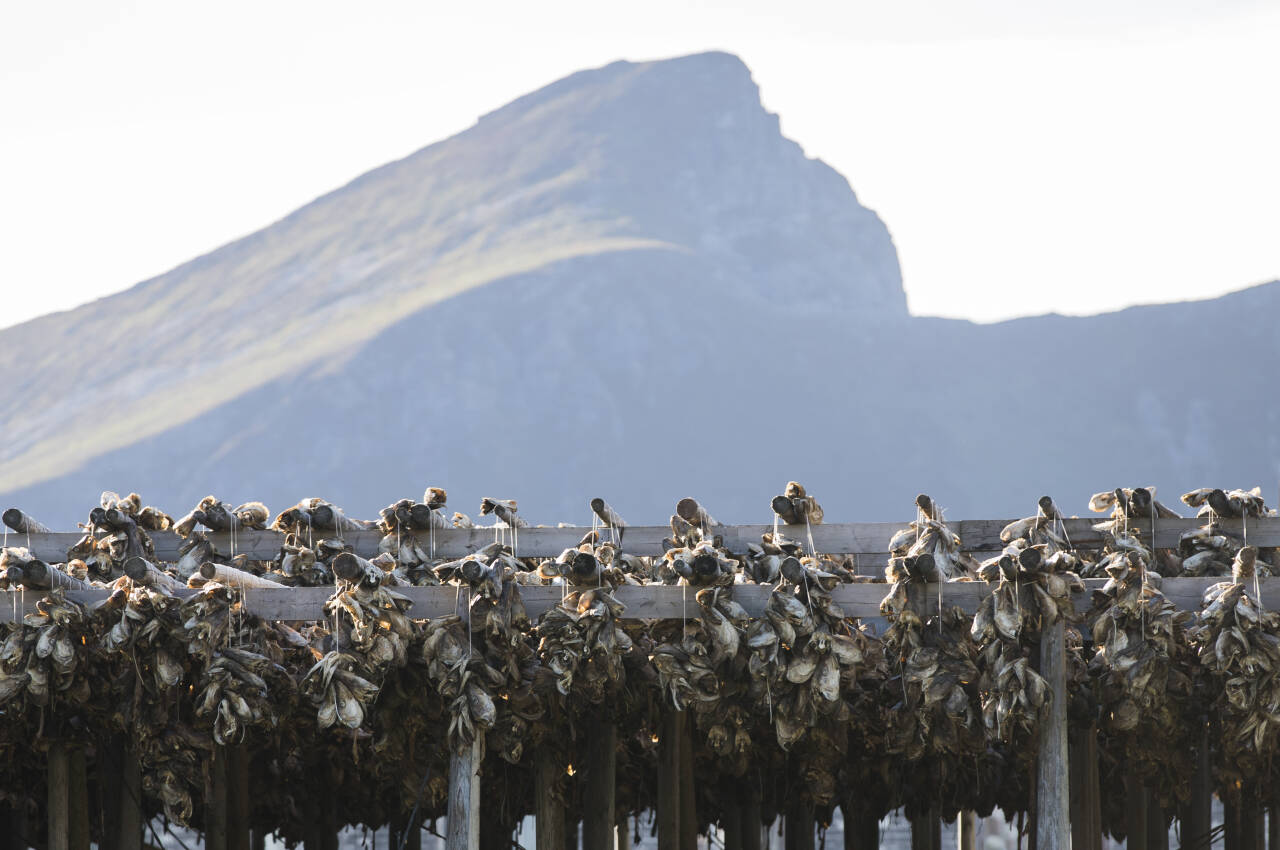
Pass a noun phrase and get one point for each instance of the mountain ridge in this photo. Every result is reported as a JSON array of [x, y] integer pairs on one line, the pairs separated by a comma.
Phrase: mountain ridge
[[627, 283]]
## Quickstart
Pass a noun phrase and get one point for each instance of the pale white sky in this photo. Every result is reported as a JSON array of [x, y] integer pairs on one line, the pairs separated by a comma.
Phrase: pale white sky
[[1072, 156]]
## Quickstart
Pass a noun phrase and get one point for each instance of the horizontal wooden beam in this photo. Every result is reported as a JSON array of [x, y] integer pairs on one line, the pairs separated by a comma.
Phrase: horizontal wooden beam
[[858, 538], [861, 601]]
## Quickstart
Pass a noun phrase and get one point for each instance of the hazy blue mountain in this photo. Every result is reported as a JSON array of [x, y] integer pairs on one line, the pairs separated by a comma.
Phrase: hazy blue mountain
[[625, 284]]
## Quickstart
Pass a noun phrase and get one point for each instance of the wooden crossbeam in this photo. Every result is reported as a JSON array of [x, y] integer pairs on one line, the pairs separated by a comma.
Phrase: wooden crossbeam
[[857, 538], [861, 601]]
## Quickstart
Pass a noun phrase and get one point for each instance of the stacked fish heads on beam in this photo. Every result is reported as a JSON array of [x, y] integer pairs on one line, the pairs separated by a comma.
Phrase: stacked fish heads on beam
[[1239, 646], [931, 655], [1034, 577], [1210, 550]]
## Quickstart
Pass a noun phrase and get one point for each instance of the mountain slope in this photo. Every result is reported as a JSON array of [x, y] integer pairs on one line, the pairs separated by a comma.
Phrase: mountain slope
[[626, 284], [669, 157]]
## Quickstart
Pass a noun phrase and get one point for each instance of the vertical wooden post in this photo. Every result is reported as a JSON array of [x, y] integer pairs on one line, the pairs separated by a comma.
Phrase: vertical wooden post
[[1248, 834], [1196, 826], [669, 746], [966, 831], [599, 825], [688, 793], [463, 831], [1053, 830], [258, 840], [59, 803], [752, 823], [1273, 829], [1230, 823], [129, 793], [861, 829], [237, 797], [624, 835], [1135, 811], [571, 833], [549, 817], [77, 799], [923, 830], [1157, 827], [215, 811], [731, 821], [799, 825]]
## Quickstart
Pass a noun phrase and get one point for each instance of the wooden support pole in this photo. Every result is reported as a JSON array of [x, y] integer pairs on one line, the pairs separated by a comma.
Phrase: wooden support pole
[[669, 780], [1248, 834], [924, 828], [752, 823], [1135, 809], [463, 831], [799, 825], [549, 817], [624, 835], [688, 793], [731, 820], [1053, 829], [1157, 827], [77, 799], [237, 797], [1273, 828], [599, 824], [129, 824], [1230, 823], [8, 828], [571, 833], [861, 829], [966, 831], [59, 809], [215, 810]]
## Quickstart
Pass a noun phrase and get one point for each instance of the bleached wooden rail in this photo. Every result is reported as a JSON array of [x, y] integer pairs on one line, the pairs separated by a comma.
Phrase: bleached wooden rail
[[857, 538], [648, 602]]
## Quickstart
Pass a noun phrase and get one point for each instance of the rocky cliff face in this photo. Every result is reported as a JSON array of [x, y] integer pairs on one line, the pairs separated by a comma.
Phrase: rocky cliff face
[[625, 284]]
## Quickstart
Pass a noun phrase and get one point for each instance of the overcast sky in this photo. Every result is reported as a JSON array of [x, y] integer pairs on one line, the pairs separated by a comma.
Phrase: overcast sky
[[1074, 156]]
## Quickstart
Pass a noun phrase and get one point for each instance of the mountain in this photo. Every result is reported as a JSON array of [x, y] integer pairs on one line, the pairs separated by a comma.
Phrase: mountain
[[626, 284]]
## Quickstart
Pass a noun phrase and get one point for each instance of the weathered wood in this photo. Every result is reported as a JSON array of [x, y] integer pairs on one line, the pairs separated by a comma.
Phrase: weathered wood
[[669, 746], [1157, 826], [215, 812], [925, 830], [1230, 824], [22, 523], [59, 804], [966, 830], [237, 797], [549, 817], [731, 820], [1273, 828], [861, 829], [1197, 819], [1135, 810], [9, 834], [233, 577], [599, 778], [1248, 836], [752, 823], [38, 575], [1053, 829], [129, 794], [799, 825], [861, 601], [77, 799], [146, 573], [864, 538], [688, 791], [463, 831]]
